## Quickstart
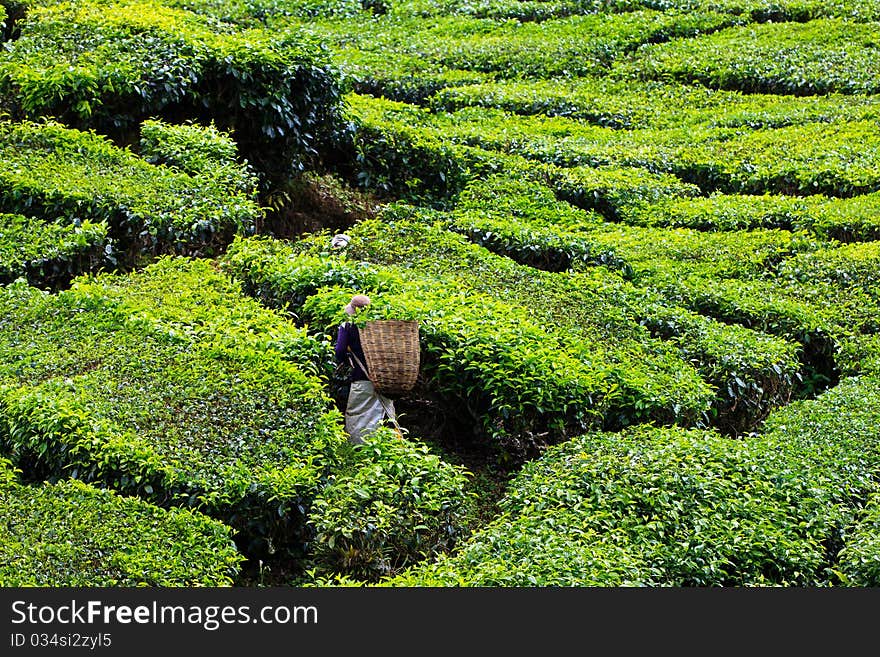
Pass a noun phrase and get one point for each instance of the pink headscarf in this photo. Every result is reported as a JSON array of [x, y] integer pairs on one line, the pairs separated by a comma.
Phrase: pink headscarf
[[357, 301]]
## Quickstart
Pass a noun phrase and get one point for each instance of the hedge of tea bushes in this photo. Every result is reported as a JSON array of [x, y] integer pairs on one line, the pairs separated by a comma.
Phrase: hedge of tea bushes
[[385, 55], [753, 10], [555, 48], [721, 212], [631, 194], [400, 158], [191, 302], [198, 151], [405, 78], [679, 507], [832, 159], [539, 10], [551, 548], [801, 159], [793, 10], [631, 104], [806, 159], [49, 170], [50, 254], [846, 220], [170, 385], [858, 354], [816, 286], [836, 219], [533, 207], [750, 371], [816, 57], [511, 49], [252, 398], [847, 266], [245, 437], [835, 437], [483, 364], [523, 220], [791, 506], [110, 65], [531, 10], [484, 356], [73, 534], [821, 318], [397, 150], [724, 254], [259, 12]]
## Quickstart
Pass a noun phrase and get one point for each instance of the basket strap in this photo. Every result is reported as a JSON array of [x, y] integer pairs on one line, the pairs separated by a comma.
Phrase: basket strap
[[379, 395]]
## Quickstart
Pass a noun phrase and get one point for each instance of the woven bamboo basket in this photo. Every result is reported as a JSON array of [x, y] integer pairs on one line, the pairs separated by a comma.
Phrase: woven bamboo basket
[[391, 348]]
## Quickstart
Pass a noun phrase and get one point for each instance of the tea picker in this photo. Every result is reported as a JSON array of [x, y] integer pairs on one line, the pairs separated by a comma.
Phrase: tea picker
[[384, 358]]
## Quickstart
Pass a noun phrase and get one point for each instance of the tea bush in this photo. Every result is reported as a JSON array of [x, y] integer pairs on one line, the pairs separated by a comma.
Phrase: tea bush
[[551, 548], [669, 507], [404, 78], [524, 221], [835, 437], [198, 151], [258, 12], [488, 372], [632, 104], [859, 560], [753, 10], [752, 371], [50, 254], [242, 436], [51, 171], [812, 158], [108, 66], [394, 504], [792, 505], [72, 534], [816, 57], [169, 385], [557, 48]]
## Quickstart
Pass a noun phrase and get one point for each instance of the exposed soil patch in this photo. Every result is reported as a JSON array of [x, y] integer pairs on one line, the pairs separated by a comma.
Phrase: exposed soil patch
[[313, 203]]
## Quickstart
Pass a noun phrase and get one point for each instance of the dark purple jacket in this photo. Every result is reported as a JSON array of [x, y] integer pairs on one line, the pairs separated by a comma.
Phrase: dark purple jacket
[[348, 336]]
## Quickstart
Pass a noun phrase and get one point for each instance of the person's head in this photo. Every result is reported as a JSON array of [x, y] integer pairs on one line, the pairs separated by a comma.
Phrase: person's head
[[340, 241], [358, 301]]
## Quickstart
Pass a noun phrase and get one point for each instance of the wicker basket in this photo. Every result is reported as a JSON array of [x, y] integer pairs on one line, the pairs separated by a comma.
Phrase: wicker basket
[[391, 348]]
